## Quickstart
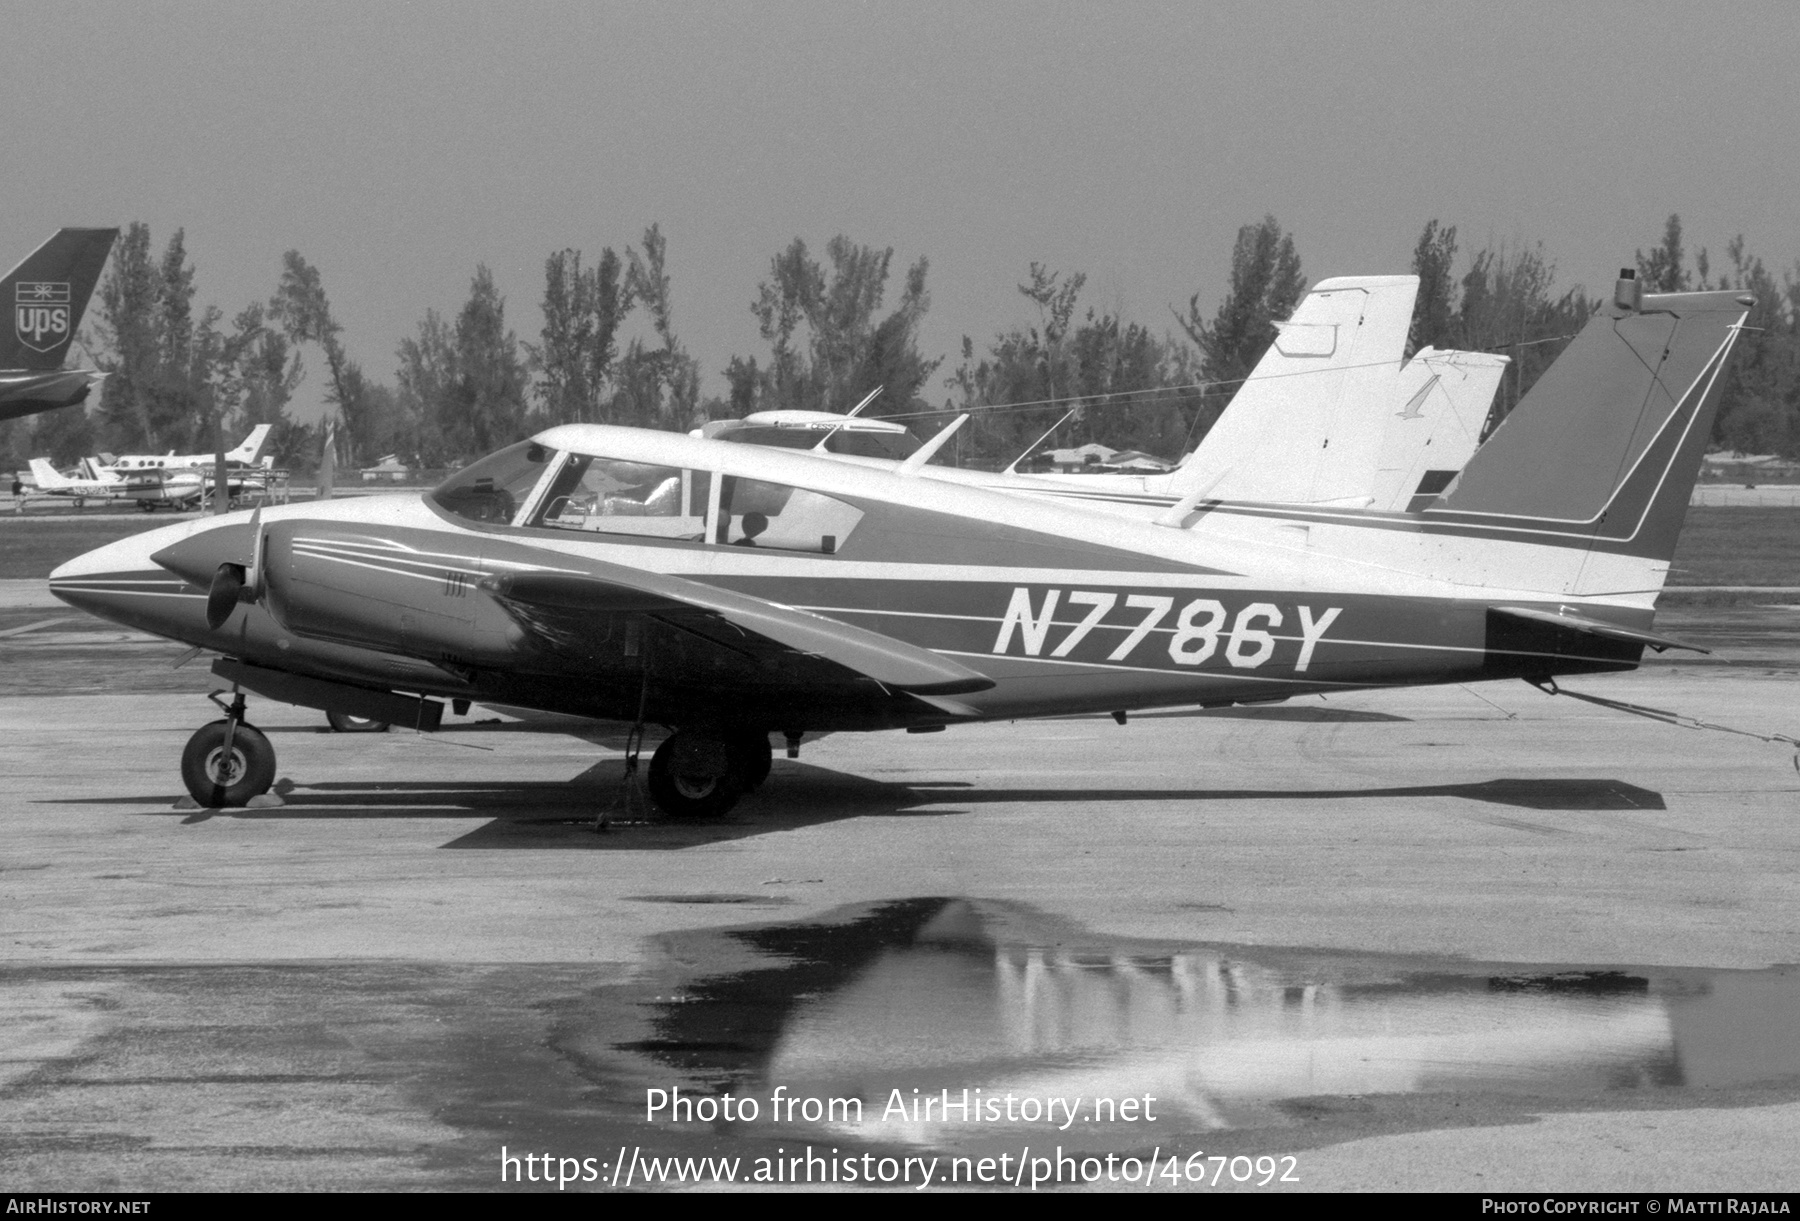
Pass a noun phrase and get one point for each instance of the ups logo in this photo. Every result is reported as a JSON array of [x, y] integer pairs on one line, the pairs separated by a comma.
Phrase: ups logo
[[41, 314]]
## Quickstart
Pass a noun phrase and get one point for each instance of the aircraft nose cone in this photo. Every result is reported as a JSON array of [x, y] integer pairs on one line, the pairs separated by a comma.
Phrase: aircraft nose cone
[[197, 557], [123, 582]]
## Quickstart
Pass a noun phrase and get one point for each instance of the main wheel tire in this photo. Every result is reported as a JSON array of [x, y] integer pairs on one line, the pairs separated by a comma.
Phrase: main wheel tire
[[692, 777], [751, 758], [213, 779], [343, 722]]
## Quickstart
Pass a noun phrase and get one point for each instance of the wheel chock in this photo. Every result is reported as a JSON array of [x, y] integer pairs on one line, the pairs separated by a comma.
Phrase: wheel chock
[[262, 801]]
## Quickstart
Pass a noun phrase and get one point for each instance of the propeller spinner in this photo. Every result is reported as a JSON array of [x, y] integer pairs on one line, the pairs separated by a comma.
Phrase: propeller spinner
[[235, 583]]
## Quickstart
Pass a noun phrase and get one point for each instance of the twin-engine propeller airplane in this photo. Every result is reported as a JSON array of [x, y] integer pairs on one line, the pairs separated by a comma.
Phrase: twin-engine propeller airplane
[[729, 592], [47, 294], [249, 453]]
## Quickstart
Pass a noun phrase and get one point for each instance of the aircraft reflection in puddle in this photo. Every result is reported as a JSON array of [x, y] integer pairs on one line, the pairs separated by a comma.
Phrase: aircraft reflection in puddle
[[998, 1000]]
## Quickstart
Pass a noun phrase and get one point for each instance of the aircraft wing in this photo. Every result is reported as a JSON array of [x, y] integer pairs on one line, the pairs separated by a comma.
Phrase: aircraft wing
[[722, 613]]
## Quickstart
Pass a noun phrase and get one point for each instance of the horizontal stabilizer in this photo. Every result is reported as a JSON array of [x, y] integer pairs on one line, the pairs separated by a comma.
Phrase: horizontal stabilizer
[[1596, 627], [27, 393], [892, 663]]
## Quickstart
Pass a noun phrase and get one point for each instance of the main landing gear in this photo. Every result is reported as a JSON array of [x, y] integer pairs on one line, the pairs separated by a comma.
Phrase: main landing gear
[[229, 762], [699, 774]]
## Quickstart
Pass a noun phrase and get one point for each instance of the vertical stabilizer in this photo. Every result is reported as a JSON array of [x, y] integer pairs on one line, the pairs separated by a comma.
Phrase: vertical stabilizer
[[47, 294], [251, 451], [1603, 451], [1305, 427], [48, 478], [1440, 403]]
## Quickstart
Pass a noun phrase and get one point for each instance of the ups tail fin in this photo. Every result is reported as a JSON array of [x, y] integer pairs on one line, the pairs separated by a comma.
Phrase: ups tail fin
[[1306, 426], [47, 294], [1603, 451]]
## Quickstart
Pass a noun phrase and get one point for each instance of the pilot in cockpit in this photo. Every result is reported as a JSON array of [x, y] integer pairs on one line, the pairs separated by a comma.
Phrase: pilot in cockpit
[[642, 494]]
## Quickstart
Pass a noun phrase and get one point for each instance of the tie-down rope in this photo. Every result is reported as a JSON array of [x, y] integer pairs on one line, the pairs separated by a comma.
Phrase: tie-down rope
[[1548, 686]]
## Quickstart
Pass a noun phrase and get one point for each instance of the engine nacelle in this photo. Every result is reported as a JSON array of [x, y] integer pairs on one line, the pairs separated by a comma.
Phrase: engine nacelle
[[395, 590]]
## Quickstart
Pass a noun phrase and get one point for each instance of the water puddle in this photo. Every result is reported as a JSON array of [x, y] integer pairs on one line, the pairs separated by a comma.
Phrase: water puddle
[[936, 1022]]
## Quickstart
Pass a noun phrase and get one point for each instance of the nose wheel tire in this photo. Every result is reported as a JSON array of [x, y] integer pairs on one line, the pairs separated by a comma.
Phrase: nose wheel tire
[[215, 778], [692, 776], [341, 722]]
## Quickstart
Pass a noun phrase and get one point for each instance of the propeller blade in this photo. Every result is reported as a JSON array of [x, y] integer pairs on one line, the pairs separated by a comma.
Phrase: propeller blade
[[227, 583], [253, 579]]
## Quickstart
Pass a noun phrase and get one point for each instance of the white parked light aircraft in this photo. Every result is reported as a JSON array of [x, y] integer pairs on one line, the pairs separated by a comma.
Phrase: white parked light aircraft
[[1333, 414], [249, 453], [178, 489], [823, 431], [178, 481], [729, 592]]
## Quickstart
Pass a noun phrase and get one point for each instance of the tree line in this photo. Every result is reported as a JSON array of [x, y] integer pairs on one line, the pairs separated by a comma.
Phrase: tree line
[[608, 352]]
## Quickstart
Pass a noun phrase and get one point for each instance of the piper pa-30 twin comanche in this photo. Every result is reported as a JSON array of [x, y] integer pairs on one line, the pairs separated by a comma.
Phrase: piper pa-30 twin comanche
[[730, 592]]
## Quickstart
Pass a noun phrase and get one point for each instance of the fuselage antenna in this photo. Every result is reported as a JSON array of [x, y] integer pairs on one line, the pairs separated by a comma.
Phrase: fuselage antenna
[[1026, 452]]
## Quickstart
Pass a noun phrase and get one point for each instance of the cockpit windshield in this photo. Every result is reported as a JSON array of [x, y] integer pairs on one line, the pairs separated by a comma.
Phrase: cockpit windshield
[[540, 488], [613, 496], [492, 489]]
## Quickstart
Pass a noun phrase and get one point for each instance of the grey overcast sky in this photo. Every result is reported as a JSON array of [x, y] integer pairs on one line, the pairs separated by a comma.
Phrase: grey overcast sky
[[397, 145]]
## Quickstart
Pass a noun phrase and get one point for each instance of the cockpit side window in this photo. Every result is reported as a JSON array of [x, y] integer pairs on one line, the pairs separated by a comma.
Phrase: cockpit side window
[[493, 489], [613, 496], [599, 495], [755, 513]]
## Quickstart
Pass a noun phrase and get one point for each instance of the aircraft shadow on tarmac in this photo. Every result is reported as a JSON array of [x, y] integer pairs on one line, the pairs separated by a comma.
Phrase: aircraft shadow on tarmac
[[561, 815]]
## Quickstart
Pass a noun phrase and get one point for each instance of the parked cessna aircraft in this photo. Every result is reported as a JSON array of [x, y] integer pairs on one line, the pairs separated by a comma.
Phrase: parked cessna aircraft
[[48, 293], [731, 591], [177, 489], [178, 481]]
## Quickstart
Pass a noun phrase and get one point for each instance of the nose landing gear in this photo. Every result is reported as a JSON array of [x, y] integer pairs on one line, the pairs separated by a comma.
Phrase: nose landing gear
[[228, 762]]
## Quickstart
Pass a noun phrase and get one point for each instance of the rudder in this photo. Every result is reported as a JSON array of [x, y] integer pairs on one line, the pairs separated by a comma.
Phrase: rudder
[[1607, 444]]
